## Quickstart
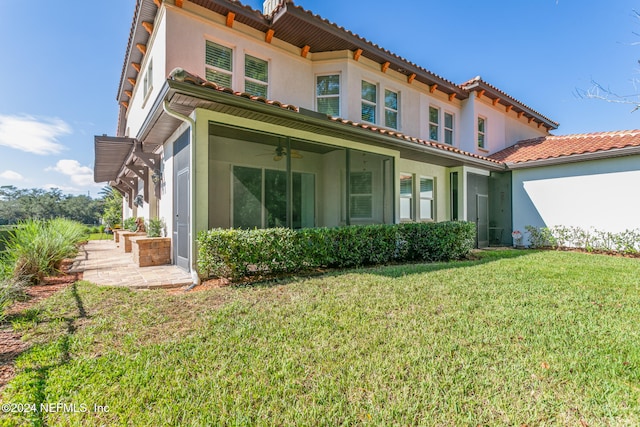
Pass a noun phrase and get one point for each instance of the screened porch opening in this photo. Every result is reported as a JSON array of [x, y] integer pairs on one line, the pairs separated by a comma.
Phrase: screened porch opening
[[263, 180]]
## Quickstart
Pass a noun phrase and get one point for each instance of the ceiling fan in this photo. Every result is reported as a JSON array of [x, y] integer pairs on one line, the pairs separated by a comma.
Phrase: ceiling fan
[[281, 152]]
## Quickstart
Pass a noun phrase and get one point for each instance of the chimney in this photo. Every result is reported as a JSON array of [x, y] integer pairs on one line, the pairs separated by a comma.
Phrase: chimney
[[268, 6]]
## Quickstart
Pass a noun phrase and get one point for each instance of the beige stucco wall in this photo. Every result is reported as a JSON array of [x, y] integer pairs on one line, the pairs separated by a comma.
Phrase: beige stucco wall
[[179, 40]]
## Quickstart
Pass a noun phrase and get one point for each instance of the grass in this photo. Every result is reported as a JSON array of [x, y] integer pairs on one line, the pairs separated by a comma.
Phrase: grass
[[100, 236], [513, 338]]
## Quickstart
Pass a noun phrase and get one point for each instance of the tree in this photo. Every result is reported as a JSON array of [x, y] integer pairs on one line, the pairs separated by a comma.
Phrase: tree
[[598, 91], [35, 203], [112, 206]]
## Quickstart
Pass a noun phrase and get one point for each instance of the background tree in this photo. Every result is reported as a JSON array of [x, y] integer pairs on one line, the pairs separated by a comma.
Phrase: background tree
[[35, 203], [598, 91], [112, 206]]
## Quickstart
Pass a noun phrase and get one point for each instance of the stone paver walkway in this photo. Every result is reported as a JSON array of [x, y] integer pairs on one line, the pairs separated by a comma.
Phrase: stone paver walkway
[[104, 263]]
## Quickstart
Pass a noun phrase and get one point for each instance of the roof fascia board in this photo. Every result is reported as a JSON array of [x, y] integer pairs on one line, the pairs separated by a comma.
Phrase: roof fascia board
[[575, 158], [410, 67], [207, 94], [497, 93]]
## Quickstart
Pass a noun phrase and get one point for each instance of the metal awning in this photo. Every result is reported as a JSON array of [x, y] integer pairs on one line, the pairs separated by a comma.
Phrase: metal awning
[[110, 154]]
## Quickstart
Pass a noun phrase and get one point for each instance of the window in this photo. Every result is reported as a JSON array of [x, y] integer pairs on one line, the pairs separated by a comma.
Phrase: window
[[256, 76], [434, 123], [148, 80], [260, 198], [406, 196], [426, 198], [218, 64], [361, 195], [391, 109], [448, 128], [482, 125], [328, 94], [369, 96]]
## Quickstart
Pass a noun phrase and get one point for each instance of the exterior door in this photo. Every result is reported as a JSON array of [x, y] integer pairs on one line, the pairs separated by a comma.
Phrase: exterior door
[[482, 219], [182, 220], [181, 199]]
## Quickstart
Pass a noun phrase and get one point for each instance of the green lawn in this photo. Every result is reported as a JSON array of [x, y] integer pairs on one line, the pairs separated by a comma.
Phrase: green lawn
[[100, 236], [514, 338]]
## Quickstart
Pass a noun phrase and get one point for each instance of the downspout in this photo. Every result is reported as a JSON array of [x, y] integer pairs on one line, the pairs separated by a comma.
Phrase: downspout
[[195, 278]]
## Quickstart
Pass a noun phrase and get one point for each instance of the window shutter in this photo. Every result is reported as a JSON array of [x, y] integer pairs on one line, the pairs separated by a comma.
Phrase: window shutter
[[218, 56], [256, 69]]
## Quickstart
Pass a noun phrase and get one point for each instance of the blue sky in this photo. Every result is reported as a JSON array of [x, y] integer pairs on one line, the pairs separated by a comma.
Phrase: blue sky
[[61, 64]]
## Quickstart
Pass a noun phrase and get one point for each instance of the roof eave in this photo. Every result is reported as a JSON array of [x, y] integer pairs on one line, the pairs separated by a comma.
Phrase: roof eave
[[204, 93], [575, 158], [495, 93]]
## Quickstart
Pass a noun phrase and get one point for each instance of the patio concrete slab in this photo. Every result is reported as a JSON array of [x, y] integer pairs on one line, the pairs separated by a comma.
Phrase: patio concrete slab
[[104, 263]]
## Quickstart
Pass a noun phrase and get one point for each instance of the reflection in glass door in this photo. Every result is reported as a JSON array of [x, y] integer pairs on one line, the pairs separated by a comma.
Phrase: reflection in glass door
[[260, 198]]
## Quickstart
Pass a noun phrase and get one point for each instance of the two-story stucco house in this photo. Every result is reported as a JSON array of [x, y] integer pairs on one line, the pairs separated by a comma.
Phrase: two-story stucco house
[[232, 117]]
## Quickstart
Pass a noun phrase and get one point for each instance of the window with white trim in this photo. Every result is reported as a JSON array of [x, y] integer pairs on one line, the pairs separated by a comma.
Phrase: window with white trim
[[448, 128], [218, 64], [406, 197], [391, 109], [147, 83], [361, 195], [426, 198], [482, 131], [369, 99], [256, 76], [434, 123], [328, 94]]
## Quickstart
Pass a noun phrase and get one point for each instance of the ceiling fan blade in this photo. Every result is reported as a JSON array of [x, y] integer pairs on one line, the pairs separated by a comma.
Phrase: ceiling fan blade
[[295, 154]]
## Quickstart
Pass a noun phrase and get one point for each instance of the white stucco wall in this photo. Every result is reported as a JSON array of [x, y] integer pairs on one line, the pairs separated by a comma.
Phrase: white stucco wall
[[179, 40], [603, 194]]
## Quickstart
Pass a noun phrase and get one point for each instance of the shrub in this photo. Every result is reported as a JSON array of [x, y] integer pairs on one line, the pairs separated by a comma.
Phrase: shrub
[[37, 247], [235, 253], [130, 224], [627, 242], [155, 227]]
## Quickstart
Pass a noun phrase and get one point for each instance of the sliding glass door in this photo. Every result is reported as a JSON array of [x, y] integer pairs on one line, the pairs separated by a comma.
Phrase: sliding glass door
[[260, 198]]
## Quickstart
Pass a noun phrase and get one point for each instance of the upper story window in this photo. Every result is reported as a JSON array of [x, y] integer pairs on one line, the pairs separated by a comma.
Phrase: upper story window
[[218, 64], [256, 76], [328, 94], [369, 98], [434, 123], [391, 109], [406, 196], [448, 128], [482, 131], [147, 83]]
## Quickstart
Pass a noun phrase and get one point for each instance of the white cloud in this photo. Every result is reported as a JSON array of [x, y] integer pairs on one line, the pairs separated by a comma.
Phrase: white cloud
[[33, 135], [11, 175], [79, 175], [63, 188]]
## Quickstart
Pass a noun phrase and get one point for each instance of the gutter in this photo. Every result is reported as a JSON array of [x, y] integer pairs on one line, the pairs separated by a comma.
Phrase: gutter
[[192, 142], [575, 158], [208, 94]]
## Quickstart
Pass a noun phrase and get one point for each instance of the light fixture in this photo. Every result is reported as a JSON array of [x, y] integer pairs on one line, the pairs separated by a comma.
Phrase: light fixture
[[139, 200], [156, 177]]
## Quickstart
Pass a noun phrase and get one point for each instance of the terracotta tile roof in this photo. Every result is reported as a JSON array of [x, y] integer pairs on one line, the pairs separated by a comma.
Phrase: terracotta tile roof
[[181, 75], [401, 136], [477, 83], [551, 147]]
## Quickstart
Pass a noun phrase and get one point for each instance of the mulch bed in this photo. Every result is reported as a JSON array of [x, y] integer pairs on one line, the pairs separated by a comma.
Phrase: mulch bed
[[11, 344]]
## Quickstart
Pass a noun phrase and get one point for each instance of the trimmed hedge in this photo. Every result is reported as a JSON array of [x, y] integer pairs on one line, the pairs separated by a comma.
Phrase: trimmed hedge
[[236, 253]]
